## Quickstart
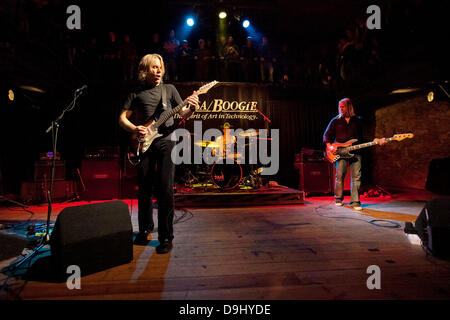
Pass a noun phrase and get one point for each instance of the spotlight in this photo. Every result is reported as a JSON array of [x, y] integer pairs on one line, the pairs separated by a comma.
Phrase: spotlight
[[222, 15], [430, 96], [246, 23], [438, 91], [190, 22], [11, 95]]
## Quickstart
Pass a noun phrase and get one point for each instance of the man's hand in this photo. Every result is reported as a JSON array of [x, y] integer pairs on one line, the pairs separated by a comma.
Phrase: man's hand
[[141, 131], [380, 141], [193, 102], [331, 148]]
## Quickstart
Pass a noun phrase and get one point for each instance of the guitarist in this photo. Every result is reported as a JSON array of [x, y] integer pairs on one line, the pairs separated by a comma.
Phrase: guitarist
[[346, 126], [155, 168]]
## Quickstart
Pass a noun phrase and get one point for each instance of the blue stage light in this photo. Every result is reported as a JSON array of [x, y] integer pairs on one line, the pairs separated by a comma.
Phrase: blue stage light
[[190, 22], [246, 23]]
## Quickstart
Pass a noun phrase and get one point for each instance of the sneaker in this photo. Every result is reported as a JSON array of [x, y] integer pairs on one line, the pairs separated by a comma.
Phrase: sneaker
[[164, 247], [356, 206], [338, 203]]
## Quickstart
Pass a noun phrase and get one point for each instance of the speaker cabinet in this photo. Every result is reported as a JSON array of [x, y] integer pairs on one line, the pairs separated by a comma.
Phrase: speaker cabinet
[[43, 170], [94, 237], [438, 180], [101, 179], [315, 177], [433, 227], [36, 192], [129, 181]]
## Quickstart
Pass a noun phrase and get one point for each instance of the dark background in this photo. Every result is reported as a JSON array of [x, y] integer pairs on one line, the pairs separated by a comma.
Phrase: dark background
[[38, 50]]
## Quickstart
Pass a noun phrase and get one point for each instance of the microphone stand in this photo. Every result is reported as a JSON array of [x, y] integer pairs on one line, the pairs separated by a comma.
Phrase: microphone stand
[[54, 128]]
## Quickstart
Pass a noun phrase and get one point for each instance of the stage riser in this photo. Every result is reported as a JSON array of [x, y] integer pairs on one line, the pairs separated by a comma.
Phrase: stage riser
[[228, 199]]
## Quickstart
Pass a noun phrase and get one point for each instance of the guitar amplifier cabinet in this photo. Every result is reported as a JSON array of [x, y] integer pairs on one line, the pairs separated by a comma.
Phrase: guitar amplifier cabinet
[[128, 181], [314, 177], [36, 192], [129, 188], [43, 170], [101, 179]]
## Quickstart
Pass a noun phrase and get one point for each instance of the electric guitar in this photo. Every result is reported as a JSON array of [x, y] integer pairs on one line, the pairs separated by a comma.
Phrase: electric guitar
[[342, 150], [138, 144]]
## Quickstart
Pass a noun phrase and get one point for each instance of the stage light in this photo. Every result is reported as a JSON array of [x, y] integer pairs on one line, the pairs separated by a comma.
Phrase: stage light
[[405, 90], [438, 91], [246, 23], [32, 88], [430, 96], [222, 15], [190, 22], [11, 95]]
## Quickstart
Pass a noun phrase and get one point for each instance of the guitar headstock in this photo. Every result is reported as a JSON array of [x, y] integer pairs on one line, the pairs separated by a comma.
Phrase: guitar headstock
[[204, 89], [402, 136]]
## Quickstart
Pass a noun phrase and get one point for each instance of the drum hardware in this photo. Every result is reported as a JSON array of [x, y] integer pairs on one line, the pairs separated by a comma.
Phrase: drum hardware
[[253, 179], [223, 176], [249, 133]]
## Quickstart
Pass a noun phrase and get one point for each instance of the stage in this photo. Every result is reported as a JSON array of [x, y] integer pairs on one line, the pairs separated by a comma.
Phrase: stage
[[312, 250]]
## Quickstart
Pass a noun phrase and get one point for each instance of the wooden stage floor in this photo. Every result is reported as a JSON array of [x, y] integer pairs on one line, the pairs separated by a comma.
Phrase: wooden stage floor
[[313, 250]]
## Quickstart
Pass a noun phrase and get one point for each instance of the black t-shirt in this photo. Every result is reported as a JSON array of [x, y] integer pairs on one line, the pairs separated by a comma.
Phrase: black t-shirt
[[339, 130], [146, 103]]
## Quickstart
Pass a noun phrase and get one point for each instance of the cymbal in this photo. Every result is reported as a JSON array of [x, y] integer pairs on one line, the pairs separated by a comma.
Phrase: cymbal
[[207, 144], [249, 133]]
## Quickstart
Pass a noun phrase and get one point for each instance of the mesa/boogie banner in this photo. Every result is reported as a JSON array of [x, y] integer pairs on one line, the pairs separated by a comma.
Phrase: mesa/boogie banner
[[241, 105]]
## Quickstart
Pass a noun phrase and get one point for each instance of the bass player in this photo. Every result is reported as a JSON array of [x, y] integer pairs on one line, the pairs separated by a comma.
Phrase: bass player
[[346, 126]]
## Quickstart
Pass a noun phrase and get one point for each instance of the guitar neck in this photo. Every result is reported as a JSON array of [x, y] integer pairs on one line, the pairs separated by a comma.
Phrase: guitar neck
[[365, 145], [166, 115]]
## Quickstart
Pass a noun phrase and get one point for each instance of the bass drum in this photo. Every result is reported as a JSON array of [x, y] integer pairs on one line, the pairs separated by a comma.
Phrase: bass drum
[[226, 176]]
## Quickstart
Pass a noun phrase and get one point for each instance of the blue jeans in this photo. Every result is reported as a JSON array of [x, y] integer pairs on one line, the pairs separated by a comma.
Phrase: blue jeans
[[355, 171]]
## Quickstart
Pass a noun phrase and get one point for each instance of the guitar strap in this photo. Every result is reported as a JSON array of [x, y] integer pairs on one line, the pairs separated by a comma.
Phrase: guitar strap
[[170, 121], [164, 97]]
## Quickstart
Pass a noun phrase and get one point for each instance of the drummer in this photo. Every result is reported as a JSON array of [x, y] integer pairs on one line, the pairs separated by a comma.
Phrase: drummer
[[225, 143]]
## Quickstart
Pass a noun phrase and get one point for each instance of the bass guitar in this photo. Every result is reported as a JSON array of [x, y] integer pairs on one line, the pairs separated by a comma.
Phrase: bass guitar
[[338, 150]]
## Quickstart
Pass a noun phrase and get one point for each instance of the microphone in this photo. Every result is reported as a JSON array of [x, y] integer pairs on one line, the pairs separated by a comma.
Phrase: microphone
[[81, 89]]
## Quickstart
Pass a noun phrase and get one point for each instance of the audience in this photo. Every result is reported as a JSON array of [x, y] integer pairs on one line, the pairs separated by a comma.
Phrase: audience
[[170, 53], [267, 59], [185, 62], [232, 61], [249, 61], [202, 56], [353, 59]]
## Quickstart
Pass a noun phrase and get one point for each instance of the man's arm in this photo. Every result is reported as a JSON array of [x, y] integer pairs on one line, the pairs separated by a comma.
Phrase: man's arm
[[188, 110], [128, 125], [193, 104], [330, 134]]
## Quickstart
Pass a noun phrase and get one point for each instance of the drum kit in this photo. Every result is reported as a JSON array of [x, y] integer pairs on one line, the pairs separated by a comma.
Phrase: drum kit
[[227, 172]]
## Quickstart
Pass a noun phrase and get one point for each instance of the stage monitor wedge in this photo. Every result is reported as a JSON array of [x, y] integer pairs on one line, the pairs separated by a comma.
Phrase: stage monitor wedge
[[94, 237], [433, 227]]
